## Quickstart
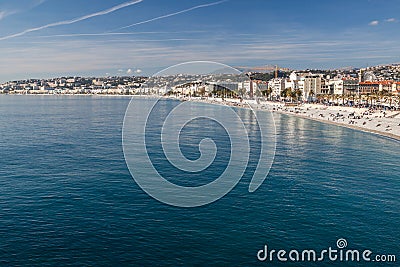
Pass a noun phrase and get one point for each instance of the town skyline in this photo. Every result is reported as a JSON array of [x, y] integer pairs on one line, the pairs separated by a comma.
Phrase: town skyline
[[268, 68], [43, 39], [280, 84]]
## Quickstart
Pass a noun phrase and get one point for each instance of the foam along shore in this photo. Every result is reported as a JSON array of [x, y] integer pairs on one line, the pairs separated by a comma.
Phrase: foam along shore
[[382, 122]]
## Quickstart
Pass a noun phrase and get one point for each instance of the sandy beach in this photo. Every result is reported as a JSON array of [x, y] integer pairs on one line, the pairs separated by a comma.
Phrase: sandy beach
[[385, 123]]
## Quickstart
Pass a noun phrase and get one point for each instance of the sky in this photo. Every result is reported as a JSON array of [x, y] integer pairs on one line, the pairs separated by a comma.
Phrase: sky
[[52, 38]]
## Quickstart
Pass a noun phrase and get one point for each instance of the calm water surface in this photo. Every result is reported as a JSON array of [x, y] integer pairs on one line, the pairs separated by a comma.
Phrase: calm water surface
[[67, 197]]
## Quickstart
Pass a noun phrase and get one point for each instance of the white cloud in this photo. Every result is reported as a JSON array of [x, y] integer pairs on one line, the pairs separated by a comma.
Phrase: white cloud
[[391, 20], [374, 23], [131, 71], [67, 22]]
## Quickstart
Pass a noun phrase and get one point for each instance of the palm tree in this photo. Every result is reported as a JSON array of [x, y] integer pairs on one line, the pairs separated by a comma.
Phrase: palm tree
[[360, 96], [311, 94], [345, 98], [299, 93], [269, 93], [284, 93], [293, 95], [373, 98], [320, 98], [289, 93], [334, 98], [353, 98], [398, 100], [381, 95], [390, 95]]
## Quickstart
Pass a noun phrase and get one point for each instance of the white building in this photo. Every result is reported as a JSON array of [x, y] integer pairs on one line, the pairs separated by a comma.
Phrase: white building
[[338, 88], [250, 87], [293, 76], [277, 85], [312, 87]]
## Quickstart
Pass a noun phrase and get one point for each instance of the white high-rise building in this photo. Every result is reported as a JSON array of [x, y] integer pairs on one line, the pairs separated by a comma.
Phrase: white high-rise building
[[312, 87], [337, 86], [277, 85]]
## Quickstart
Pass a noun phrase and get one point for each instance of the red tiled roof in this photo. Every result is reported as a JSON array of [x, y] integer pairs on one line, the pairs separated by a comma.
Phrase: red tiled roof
[[377, 83]]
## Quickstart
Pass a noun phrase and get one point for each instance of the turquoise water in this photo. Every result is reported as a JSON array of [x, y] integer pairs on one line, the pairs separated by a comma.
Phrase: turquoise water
[[67, 197]]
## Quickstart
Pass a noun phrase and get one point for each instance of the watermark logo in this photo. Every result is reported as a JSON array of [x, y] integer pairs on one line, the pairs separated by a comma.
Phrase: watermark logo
[[341, 243], [340, 253], [154, 131]]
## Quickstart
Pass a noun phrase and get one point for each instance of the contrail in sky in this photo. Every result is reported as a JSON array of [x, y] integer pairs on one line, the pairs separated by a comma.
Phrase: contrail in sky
[[67, 22], [172, 14], [115, 33]]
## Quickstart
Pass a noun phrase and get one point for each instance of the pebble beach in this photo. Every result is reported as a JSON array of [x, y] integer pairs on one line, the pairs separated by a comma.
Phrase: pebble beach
[[382, 122]]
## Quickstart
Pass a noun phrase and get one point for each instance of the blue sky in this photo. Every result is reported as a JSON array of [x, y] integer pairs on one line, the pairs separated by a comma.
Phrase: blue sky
[[48, 38]]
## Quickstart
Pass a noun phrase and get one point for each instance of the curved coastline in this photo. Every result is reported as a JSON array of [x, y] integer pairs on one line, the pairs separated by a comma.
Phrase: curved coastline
[[291, 111], [267, 106], [371, 131]]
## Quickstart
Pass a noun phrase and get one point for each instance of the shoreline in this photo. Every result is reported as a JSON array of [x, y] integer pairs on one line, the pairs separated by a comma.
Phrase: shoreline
[[376, 122], [305, 112], [360, 119], [353, 127]]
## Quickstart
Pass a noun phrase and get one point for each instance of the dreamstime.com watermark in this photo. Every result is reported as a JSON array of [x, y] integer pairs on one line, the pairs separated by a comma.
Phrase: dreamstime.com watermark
[[340, 253]]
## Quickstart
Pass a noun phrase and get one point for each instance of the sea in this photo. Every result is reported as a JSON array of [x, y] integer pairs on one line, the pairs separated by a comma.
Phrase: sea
[[67, 197]]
